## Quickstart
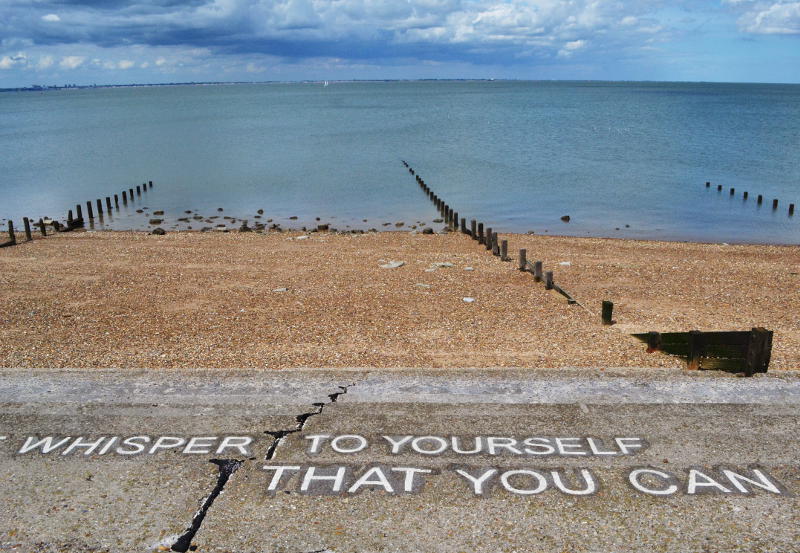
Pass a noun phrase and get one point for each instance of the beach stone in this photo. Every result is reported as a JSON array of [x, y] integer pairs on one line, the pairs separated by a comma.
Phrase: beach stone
[[304, 237], [188, 211], [293, 217], [442, 265], [159, 212], [438, 220], [205, 229], [323, 227], [565, 218], [159, 231], [245, 228], [420, 285], [469, 300], [393, 265], [281, 290], [260, 212], [469, 269], [183, 219], [140, 211], [531, 232], [155, 221], [427, 230], [219, 209], [399, 224]]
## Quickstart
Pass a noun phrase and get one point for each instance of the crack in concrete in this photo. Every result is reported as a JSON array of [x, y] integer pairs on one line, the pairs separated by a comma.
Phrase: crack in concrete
[[228, 466], [279, 435]]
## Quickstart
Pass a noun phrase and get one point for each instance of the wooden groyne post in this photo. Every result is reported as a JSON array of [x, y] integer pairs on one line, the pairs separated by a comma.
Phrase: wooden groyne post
[[523, 260], [27, 224], [608, 312], [12, 237]]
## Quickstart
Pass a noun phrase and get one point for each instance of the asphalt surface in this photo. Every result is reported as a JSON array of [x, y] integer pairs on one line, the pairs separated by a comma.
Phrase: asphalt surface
[[405, 460]]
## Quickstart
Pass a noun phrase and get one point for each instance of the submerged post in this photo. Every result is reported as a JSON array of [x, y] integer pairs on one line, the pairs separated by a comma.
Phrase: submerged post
[[99, 207], [744, 195], [130, 193], [79, 211], [791, 209], [608, 311], [89, 210], [108, 204], [760, 199], [124, 197], [732, 191], [775, 203], [27, 224], [150, 183], [138, 190], [116, 201]]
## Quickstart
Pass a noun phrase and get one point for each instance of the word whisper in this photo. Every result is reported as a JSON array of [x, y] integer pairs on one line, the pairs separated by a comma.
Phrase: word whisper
[[482, 481], [488, 445], [134, 445]]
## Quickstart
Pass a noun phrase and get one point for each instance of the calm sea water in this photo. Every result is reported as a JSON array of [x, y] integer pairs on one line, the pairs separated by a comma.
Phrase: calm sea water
[[517, 155]]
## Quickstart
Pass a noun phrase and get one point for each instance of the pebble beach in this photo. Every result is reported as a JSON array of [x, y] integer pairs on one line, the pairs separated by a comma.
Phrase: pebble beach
[[276, 300]]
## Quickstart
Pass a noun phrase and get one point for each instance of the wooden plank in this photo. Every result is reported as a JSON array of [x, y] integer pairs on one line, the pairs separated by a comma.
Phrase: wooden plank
[[560, 290]]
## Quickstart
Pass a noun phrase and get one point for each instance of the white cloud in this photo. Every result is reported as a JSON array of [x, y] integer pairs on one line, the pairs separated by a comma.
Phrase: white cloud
[[770, 17], [125, 64], [71, 62], [161, 61], [144, 65], [254, 68], [571, 47], [51, 18], [8, 62], [45, 62]]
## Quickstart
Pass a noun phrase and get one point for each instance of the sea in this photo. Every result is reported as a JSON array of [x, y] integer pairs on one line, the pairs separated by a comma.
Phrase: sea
[[621, 159]]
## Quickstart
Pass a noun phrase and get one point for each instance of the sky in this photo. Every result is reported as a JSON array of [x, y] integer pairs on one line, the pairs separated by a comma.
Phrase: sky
[[57, 42]]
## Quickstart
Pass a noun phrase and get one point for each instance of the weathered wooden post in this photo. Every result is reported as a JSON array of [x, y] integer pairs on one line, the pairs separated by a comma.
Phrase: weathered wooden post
[[79, 211], [42, 227], [523, 260], [653, 341], [463, 226], [504, 251], [108, 204], [124, 197], [695, 350], [791, 209], [116, 201], [27, 224], [150, 183], [138, 190], [775, 203], [548, 280], [12, 237], [760, 199], [708, 184], [537, 271], [130, 193], [495, 244], [70, 220], [732, 191], [759, 351], [480, 233], [719, 188], [454, 220], [473, 229], [99, 207], [89, 210], [488, 241], [608, 312]]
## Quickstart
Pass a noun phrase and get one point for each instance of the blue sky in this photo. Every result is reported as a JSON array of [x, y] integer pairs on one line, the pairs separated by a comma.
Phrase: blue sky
[[152, 41]]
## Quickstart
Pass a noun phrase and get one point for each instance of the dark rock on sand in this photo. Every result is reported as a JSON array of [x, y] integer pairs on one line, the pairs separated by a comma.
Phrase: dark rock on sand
[[155, 221], [159, 231], [427, 230], [323, 227], [565, 218], [159, 212]]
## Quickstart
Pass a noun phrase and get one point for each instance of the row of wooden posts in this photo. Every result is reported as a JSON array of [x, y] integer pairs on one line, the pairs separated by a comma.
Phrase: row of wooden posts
[[759, 199], [485, 236], [75, 220]]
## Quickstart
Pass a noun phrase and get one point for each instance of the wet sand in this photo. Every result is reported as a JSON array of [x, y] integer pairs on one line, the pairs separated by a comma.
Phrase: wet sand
[[128, 299]]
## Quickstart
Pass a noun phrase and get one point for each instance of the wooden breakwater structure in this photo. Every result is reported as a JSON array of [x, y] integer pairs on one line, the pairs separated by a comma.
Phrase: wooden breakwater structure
[[75, 220], [737, 351], [759, 198], [486, 237]]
